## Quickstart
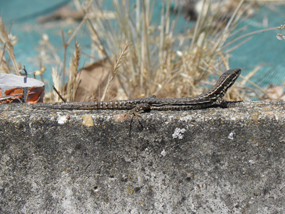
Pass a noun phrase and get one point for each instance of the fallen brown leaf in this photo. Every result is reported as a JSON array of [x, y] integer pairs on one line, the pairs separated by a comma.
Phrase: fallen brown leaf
[[92, 82]]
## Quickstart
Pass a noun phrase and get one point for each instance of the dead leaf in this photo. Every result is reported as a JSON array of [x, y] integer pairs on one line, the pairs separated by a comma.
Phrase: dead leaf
[[92, 82], [274, 93]]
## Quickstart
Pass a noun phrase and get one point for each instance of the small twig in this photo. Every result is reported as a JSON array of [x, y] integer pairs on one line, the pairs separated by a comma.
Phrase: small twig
[[75, 32], [101, 47], [246, 78], [3, 52], [12, 96], [238, 45], [56, 91], [64, 58], [225, 34], [115, 68], [196, 27], [73, 73], [10, 48], [226, 30], [76, 88], [248, 34]]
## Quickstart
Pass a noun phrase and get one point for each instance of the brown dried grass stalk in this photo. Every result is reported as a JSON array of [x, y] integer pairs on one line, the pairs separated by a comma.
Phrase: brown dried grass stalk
[[3, 64], [153, 65], [56, 83], [71, 85], [4, 38], [117, 64]]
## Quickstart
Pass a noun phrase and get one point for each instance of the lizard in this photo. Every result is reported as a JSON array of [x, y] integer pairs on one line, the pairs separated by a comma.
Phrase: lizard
[[211, 98]]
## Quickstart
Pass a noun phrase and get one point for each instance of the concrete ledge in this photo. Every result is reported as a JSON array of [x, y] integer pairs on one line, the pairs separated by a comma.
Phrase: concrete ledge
[[200, 161]]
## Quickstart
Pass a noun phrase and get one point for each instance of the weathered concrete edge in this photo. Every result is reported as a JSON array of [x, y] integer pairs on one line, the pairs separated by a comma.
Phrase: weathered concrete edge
[[194, 161], [16, 113]]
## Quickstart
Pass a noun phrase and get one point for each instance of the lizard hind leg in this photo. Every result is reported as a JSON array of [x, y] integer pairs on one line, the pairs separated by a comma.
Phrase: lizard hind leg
[[135, 112]]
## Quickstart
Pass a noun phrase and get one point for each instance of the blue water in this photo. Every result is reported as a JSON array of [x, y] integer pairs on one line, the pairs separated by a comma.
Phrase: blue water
[[263, 47]]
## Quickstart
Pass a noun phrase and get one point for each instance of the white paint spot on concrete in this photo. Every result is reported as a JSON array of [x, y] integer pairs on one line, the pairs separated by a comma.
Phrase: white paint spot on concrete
[[62, 119], [186, 118], [163, 153], [251, 161], [231, 135], [178, 133]]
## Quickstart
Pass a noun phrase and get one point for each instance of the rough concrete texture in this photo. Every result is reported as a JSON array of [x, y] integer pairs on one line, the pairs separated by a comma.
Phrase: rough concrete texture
[[201, 161]]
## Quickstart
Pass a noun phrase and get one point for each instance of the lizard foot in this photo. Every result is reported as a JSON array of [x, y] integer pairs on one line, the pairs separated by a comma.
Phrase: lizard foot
[[135, 112]]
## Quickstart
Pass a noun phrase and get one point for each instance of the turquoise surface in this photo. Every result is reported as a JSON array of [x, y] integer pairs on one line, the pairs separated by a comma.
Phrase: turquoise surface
[[263, 48]]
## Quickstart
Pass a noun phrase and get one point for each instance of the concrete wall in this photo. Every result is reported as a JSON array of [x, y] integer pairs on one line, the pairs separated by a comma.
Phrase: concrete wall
[[200, 161]]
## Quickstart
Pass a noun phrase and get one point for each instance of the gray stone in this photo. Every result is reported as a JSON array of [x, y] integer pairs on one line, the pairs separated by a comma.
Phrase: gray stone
[[201, 161]]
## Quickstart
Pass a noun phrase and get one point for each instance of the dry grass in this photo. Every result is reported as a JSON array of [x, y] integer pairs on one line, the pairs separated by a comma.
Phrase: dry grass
[[116, 66], [8, 41], [72, 84], [153, 59], [160, 62]]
